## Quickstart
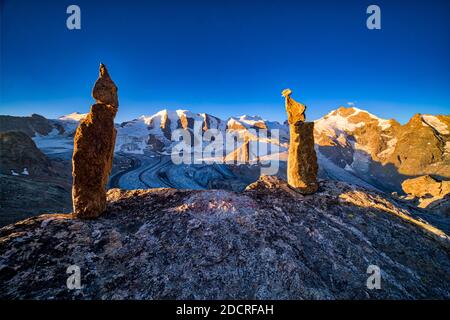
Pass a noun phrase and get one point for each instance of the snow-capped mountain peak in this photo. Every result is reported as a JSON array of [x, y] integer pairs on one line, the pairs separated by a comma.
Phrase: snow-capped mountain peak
[[74, 116]]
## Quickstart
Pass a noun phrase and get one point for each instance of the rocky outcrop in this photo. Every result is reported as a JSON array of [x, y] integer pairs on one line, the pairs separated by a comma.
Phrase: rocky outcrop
[[22, 197], [302, 160], [94, 150], [383, 152], [30, 182], [20, 156], [429, 151], [32, 126], [427, 189], [267, 242], [426, 186], [105, 91]]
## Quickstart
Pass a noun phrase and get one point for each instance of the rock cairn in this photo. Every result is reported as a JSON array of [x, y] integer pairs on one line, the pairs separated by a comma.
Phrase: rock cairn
[[302, 160], [94, 150]]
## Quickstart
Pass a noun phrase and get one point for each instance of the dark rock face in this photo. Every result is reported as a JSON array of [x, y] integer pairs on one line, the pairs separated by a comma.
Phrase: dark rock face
[[22, 197], [29, 125], [94, 150], [19, 154], [268, 242], [30, 183]]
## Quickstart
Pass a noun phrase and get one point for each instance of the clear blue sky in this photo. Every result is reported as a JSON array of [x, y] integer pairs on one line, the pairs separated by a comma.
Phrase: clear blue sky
[[227, 57]]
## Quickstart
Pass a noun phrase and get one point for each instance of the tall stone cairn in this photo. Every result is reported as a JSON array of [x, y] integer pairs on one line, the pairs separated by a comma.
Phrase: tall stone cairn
[[94, 150], [302, 159]]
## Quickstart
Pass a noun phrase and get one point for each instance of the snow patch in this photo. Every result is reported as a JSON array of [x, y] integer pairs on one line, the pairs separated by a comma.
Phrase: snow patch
[[436, 124], [75, 116]]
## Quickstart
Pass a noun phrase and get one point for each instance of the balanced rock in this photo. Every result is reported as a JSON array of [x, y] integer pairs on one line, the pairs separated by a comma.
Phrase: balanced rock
[[94, 150], [302, 159], [105, 91]]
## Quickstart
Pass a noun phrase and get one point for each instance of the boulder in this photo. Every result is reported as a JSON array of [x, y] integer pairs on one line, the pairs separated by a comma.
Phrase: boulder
[[426, 186]]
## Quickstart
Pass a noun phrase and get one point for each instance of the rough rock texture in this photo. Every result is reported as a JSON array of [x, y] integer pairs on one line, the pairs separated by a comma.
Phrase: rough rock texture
[[22, 197], [426, 186], [20, 156], [30, 182], [302, 160], [427, 189], [294, 110], [94, 150], [441, 206], [32, 126], [105, 91], [383, 152], [267, 242]]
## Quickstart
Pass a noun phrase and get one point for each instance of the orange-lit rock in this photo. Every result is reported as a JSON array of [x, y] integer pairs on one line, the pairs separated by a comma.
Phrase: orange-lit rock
[[94, 150], [302, 161]]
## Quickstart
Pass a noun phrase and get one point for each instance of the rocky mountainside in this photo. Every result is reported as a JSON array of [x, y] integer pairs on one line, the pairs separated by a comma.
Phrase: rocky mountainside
[[20, 156], [267, 242], [352, 145], [32, 126], [30, 182], [383, 152]]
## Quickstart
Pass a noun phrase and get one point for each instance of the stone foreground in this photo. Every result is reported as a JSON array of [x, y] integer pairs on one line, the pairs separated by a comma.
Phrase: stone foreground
[[268, 242]]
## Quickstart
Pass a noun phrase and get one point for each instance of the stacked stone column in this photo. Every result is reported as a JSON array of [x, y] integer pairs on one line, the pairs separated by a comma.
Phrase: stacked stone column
[[302, 159], [94, 150]]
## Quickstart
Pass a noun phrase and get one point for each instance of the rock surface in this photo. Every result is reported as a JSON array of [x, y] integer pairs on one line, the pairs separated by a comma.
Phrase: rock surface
[[302, 159], [20, 156], [302, 162], [427, 189], [94, 150], [426, 186], [32, 126], [105, 91], [383, 152], [267, 242], [294, 109], [30, 182]]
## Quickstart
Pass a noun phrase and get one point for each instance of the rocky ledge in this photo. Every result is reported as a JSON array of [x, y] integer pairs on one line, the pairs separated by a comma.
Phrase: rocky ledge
[[267, 242]]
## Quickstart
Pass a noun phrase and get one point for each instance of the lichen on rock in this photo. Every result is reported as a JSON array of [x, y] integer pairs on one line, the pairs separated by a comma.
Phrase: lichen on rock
[[267, 242]]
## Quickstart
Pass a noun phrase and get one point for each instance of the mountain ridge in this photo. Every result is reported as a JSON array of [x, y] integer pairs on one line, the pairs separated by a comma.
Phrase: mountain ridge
[[381, 152]]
